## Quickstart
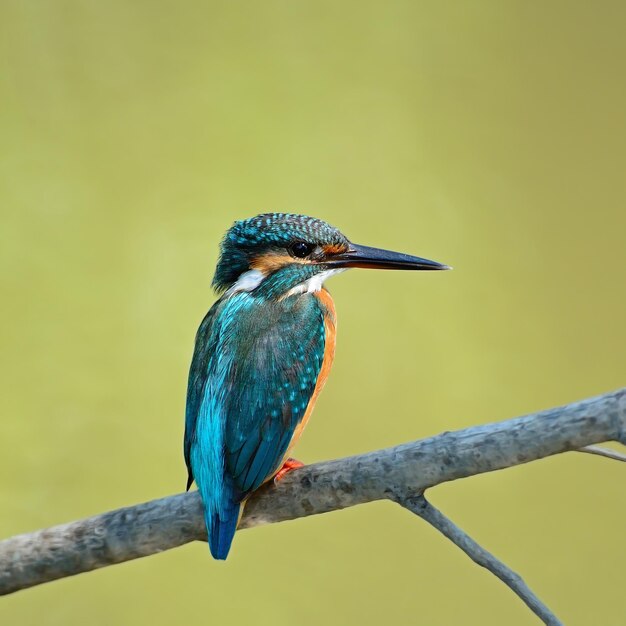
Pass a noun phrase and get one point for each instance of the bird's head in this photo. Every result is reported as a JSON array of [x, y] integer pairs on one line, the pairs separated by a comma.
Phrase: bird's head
[[277, 253]]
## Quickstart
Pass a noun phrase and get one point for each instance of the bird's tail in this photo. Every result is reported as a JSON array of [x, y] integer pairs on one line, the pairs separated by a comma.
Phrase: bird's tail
[[221, 527]]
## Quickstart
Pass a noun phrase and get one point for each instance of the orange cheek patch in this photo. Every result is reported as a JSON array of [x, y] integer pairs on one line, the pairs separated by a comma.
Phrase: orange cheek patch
[[269, 263], [335, 248]]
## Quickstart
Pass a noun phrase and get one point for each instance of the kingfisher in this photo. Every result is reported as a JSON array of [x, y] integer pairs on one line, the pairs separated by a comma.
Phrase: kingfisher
[[262, 355]]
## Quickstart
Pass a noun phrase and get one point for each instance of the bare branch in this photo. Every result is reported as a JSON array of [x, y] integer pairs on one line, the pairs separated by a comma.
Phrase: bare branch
[[144, 529], [605, 452], [422, 508]]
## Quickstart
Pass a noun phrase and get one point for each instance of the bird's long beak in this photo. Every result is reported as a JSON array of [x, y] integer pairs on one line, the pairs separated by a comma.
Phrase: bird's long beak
[[375, 258]]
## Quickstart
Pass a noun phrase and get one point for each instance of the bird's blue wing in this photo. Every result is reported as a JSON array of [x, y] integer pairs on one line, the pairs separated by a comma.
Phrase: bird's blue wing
[[279, 357]]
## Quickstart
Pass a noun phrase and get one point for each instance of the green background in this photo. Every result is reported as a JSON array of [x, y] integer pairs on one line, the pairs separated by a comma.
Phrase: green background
[[486, 135]]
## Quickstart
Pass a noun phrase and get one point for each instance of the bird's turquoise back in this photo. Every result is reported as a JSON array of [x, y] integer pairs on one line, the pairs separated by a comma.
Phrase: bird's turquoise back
[[254, 371]]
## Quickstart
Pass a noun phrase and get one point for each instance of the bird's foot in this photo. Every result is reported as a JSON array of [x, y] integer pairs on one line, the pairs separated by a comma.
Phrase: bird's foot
[[289, 465]]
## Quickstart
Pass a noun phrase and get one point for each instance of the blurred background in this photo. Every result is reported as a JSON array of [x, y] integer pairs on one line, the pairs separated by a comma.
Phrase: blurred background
[[486, 135]]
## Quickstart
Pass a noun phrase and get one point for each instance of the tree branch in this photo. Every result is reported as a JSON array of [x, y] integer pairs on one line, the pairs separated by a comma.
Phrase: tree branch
[[424, 509], [408, 469]]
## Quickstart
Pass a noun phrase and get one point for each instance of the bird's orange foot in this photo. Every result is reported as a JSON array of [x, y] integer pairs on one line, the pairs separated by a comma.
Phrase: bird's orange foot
[[288, 465]]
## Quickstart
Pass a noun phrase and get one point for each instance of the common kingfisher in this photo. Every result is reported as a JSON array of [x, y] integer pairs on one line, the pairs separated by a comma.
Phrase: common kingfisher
[[262, 355]]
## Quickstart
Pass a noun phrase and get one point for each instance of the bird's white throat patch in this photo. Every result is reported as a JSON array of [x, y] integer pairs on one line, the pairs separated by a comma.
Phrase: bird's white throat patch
[[315, 283], [250, 280]]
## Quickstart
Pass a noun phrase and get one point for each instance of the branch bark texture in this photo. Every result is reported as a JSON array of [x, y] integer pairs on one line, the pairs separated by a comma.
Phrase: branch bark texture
[[405, 470]]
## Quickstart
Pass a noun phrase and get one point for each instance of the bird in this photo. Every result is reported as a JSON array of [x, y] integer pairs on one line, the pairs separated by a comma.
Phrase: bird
[[262, 355]]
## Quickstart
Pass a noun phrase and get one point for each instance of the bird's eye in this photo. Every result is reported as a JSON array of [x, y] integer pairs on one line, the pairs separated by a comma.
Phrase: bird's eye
[[301, 249]]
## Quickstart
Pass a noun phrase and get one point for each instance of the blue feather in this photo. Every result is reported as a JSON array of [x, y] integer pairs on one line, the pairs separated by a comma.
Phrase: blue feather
[[221, 526]]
